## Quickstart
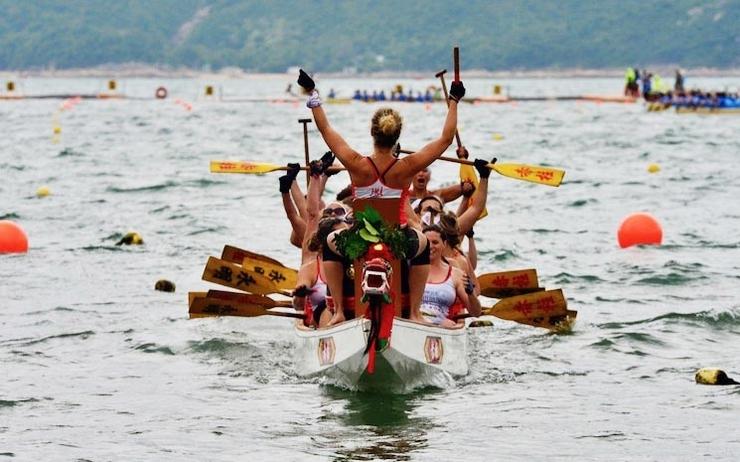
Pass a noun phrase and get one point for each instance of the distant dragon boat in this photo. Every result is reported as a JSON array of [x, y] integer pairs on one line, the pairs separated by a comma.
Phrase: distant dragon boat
[[723, 105]]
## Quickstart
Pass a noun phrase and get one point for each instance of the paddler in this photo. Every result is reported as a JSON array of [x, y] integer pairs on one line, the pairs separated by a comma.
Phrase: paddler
[[310, 292], [447, 292], [382, 175], [420, 183], [294, 204]]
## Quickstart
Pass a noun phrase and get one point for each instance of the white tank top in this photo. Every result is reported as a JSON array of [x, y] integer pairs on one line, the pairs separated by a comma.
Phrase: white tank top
[[438, 298]]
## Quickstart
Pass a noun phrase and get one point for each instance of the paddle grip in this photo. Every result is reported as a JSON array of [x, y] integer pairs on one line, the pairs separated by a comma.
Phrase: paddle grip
[[305, 123], [456, 61]]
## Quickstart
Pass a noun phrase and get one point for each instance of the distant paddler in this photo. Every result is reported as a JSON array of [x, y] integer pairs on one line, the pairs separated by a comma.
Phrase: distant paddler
[[382, 175]]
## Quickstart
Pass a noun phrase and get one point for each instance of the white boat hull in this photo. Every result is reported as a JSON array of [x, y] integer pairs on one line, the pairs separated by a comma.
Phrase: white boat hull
[[418, 355]]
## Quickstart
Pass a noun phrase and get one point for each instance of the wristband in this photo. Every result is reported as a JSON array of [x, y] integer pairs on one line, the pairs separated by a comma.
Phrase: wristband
[[314, 100]]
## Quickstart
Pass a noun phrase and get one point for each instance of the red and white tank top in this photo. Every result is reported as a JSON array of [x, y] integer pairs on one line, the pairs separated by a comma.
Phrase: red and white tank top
[[379, 190], [318, 294]]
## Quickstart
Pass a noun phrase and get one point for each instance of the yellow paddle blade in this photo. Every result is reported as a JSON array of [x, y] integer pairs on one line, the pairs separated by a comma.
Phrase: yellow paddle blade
[[193, 295], [241, 297], [467, 173], [234, 276], [508, 283], [284, 278], [547, 309], [237, 255], [533, 173], [206, 306], [224, 166]]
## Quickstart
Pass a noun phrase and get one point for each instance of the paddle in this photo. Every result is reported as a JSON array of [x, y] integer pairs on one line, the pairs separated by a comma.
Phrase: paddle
[[456, 62], [193, 295], [547, 309], [234, 276], [509, 283], [467, 172], [254, 299], [237, 255], [206, 306], [305, 123], [284, 278], [532, 173], [441, 76], [225, 166]]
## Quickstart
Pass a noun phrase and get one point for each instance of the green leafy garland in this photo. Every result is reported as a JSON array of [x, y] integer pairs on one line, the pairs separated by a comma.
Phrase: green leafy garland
[[368, 229]]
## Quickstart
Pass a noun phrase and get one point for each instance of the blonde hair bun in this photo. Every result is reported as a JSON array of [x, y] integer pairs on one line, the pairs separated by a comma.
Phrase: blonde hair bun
[[385, 127], [388, 124]]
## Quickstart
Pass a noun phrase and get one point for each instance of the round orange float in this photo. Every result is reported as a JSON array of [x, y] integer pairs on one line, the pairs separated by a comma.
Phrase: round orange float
[[639, 228], [12, 238]]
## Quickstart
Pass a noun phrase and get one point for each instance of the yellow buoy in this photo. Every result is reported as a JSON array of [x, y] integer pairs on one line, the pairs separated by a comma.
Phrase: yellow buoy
[[497, 89], [43, 191], [209, 90], [10, 86], [57, 129], [112, 85], [498, 136], [712, 376], [131, 238], [653, 168]]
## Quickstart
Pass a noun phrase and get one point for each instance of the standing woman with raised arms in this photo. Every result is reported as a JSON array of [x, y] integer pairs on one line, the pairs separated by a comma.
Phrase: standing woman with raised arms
[[382, 175]]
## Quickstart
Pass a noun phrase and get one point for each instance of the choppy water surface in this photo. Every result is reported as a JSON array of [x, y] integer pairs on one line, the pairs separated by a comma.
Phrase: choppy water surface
[[96, 365]]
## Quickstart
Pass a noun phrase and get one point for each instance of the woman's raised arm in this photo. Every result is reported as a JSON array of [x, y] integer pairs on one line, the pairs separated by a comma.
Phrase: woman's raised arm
[[429, 153], [346, 155], [467, 219]]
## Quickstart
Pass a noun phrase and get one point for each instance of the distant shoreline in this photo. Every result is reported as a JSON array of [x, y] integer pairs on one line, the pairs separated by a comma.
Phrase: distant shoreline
[[143, 71]]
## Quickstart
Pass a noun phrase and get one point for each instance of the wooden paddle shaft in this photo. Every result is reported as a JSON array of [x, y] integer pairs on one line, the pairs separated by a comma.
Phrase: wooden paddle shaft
[[441, 75], [305, 123], [456, 61], [448, 159]]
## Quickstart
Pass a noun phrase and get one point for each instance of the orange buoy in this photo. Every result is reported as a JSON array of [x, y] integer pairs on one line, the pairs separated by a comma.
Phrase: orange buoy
[[639, 228], [12, 238]]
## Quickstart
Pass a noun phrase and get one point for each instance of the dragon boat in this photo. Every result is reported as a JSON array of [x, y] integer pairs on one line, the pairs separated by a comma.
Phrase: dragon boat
[[379, 349], [416, 356]]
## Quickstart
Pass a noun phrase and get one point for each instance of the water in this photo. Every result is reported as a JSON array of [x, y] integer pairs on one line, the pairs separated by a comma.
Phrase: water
[[96, 365]]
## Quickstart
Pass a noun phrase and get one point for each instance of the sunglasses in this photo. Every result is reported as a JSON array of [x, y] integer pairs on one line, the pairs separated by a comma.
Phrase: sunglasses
[[431, 210], [337, 212]]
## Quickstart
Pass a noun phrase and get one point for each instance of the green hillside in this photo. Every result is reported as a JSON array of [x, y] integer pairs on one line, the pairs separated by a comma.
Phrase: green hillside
[[366, 35]]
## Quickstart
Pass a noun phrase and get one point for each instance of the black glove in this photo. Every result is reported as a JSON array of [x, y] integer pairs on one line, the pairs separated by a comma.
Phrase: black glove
[[285, 184], [469, 285], [305, 81], [467, 188], [316, 167], [293, 169], [457, 91], [482, 167], [327, 160], [302, 291]]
